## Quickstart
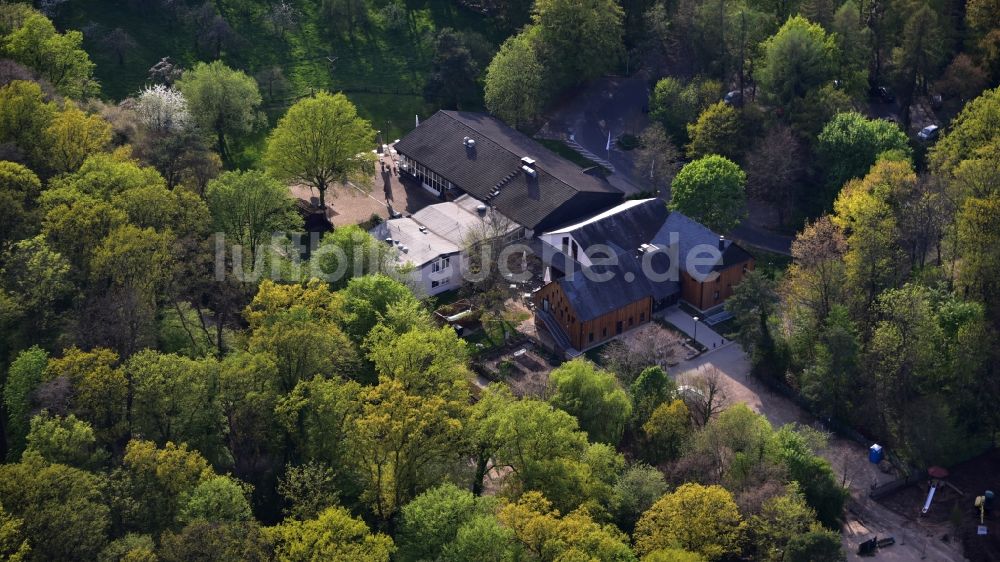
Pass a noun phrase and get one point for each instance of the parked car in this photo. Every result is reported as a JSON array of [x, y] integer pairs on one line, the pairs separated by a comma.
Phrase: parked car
[[928, 133], [733, 98]]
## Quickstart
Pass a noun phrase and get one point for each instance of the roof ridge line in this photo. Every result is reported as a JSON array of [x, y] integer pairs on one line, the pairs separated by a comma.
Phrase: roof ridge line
[[449, 113]]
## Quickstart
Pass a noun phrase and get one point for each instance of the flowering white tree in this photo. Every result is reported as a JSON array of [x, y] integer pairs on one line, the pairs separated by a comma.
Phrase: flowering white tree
[[162, 109]]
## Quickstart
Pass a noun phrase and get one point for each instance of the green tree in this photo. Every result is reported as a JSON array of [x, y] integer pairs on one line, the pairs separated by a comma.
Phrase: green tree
[[666, 431], [175, 399], [919, 57], [63, 514], [797, 451], [702, 519], [781, 518], [58, 57], [333, 535], [151, 486], [675, 104], [453, 78], [73, 136], [25, 115], [97, 391], [974, 131], [578, 40], [752, 304], [318, 414], [223, 102], [593, 397], [19, 187], [656, 160], [220, 499], [711, 191], [636, 490], [427, 362], [368, 300], [432, 520], [307, 489], [717, 131], [650, 389], [249, 207], [799, 58], [816, 545], [850, 144], [63, 440], [130, 548], [14, 546], [977, 229], [400, 444], [320, 141], [514, 88], [23, 377], [350, 252], [481, 538], [831, 381], [544, 534], [209, 540], [544, 449]]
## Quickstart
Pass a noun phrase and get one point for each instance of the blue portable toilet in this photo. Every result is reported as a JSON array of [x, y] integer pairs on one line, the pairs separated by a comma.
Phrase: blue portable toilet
[[875, 453]]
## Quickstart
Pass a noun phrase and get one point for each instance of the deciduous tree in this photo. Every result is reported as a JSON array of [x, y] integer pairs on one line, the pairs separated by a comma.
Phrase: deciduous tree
[[711, 190], [222, 101], [320, 141], [514, 88], [702, 519]]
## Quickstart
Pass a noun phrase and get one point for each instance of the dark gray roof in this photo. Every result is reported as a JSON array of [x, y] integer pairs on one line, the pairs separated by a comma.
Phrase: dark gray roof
[[560, 192], [624, 232], [634, 225], [591, 298]]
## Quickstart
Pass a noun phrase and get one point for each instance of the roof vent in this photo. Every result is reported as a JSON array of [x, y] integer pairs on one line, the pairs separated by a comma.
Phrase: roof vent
[[481, 209], [404, 249], [528, 161], [423, 229], [388, 241], [471, 143], [530, 171]]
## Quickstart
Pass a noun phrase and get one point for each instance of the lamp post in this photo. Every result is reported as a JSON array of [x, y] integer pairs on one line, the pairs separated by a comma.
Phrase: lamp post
[[695, 328]]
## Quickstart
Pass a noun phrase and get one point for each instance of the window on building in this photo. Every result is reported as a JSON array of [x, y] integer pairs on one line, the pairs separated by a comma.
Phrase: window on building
[[630, 321], [717, 295], [744, 268], [576, 250], [590, 337], [442, 263], [604, 333], [565, 245], [642, 317], [435, 284]]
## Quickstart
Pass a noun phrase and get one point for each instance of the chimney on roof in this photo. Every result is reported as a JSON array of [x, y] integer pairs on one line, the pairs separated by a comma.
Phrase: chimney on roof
[[481, 209], [528, 161], [722, 243]]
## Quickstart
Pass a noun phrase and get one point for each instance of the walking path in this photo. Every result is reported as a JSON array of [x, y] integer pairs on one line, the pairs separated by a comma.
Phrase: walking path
[[685, 323]]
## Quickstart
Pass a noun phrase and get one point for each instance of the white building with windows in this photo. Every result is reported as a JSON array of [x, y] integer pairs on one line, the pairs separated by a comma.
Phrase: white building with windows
[[431, 241]]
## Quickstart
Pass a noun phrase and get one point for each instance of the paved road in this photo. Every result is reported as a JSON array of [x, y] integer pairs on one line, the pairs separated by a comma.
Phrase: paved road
[[753, 235], [614, 105]]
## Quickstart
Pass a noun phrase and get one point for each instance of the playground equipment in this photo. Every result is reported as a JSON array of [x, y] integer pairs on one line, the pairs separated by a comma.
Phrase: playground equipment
[[937, 475], [930, 497], [983, 503]]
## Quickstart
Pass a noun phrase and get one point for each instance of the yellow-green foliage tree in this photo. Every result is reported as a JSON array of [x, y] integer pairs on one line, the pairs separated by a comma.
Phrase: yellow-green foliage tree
[[332, 535], [702, 519]]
